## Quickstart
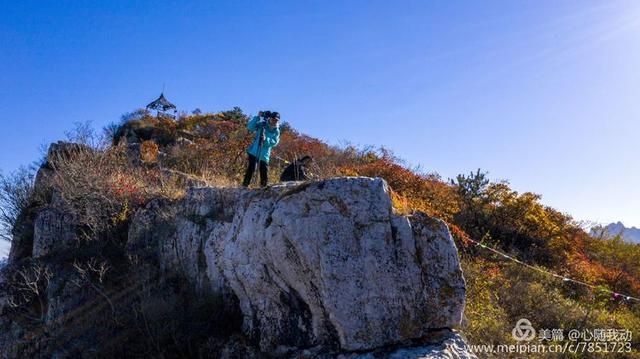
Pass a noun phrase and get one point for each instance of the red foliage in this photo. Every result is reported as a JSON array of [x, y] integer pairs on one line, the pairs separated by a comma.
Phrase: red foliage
[[293, 146], [127, 188]]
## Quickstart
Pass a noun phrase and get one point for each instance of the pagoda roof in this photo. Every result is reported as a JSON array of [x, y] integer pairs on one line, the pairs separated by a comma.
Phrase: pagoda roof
[[161, 104]]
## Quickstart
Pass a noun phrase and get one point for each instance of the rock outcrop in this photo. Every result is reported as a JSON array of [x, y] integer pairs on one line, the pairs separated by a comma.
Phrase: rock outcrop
[[320, 270]]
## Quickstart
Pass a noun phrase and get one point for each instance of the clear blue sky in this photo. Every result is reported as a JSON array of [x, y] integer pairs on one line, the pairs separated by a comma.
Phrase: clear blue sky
[[542, 93]]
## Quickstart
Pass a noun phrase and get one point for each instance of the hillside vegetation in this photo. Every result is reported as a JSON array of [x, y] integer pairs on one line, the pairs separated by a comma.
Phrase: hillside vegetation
[[146, 157]]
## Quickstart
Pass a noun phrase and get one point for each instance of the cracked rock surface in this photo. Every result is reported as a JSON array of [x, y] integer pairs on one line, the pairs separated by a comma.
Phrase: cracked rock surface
[[321, 269], [315, 264]]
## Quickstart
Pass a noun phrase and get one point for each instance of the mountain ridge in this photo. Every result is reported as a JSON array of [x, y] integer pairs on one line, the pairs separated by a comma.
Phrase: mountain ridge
[[628, 234], [319, 269], [152, 160]]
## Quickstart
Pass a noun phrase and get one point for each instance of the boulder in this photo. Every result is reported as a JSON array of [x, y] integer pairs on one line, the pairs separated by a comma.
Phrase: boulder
[[321, 269], [324, 264]]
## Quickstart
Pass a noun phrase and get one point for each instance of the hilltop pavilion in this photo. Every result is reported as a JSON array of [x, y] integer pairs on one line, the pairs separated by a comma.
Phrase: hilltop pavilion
[[162, 106]]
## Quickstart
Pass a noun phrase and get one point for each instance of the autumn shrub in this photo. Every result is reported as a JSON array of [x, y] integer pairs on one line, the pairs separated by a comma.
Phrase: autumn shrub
[[486, 321], [499, 293], [294, 146], [420, 192], [202, 158], [144, 127], [149, 151], [234, 115], [612, 263], [493, 211], [25, 289], [102, 188], [195, 123], [16, 191]]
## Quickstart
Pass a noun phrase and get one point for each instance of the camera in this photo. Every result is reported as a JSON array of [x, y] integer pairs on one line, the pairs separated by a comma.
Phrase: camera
[[267, 115]]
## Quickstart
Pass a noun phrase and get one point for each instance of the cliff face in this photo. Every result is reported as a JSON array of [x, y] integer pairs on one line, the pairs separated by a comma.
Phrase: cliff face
[[319, 269], [324, 263]]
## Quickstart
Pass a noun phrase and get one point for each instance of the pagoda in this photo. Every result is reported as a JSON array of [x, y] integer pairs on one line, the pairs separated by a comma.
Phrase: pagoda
[[162, 106]]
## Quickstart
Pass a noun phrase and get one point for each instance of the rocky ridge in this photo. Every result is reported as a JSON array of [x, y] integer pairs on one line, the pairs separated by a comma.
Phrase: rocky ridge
[[317, 270]]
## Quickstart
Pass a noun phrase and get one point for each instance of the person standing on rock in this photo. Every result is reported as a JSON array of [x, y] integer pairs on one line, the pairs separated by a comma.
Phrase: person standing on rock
[[267, 128]]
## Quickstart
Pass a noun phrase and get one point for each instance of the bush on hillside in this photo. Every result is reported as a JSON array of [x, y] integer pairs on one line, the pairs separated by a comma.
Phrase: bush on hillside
[[16, 191], [517, 222], [418, 192], [102, 188], [499, 293]]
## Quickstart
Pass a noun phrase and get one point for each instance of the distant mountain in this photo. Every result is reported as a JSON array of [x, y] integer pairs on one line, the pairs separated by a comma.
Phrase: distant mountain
[[631, 235]]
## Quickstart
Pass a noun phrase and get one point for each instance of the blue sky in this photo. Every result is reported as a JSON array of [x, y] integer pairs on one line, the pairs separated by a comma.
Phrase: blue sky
[[541, 93]]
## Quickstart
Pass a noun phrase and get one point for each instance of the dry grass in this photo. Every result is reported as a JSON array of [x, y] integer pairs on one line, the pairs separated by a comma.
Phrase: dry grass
[[102, 188]]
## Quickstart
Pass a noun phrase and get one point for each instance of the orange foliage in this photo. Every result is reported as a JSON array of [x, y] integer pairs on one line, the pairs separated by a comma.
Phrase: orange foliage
[[593, 271], [460, 235], [293, 146], [418, 192], [149, 151]]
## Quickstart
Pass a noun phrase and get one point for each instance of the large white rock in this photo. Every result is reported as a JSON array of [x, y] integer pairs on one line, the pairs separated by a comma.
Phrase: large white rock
[[320, 264]]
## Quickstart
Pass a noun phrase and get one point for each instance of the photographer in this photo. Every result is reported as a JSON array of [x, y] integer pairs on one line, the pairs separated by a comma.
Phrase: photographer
[[266, 127]]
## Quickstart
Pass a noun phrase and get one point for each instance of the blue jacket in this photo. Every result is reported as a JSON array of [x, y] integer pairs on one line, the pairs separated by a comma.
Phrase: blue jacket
[[272, 137]]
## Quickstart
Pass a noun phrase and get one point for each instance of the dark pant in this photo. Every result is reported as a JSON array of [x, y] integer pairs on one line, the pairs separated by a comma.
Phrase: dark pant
[[251, 167]]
